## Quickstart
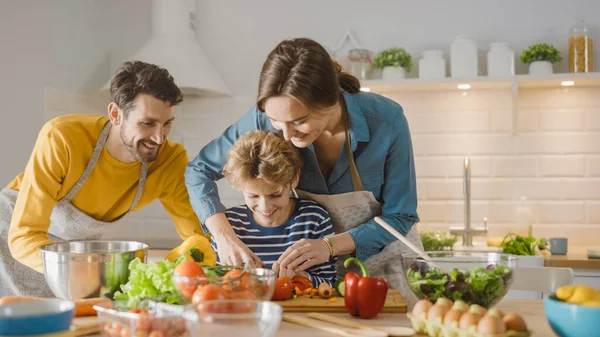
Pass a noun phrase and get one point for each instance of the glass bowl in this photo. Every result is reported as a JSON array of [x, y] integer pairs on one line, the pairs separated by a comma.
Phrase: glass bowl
[[236, 281], [242, 318], [481, 278]]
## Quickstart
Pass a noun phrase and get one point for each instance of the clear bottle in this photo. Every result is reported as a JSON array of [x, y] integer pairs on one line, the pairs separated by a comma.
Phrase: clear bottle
[[463, 58], [432, 65], [523, 216], [501, 60], [360, 63], [581, 49]]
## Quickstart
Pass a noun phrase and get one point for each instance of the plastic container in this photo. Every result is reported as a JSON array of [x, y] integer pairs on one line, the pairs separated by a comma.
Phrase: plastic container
[[463, 58], [581, 49], [501, 60], [360, 63], [523, 216], [117, 321], [432, 65]]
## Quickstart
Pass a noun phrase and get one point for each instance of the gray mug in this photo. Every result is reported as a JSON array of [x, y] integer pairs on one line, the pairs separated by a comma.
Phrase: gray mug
[[558, 246]]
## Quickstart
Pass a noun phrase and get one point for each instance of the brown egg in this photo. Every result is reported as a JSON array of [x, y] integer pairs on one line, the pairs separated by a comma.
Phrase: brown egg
[[438, 310], [444, 301], [481, 311], [421, 307], [491, 325], [460, 305], [514, 322], [495, 312], [453, 316], [468, 319]]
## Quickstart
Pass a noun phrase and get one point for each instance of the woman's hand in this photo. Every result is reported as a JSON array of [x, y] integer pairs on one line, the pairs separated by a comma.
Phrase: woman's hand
[[301, 256], [230, 249]]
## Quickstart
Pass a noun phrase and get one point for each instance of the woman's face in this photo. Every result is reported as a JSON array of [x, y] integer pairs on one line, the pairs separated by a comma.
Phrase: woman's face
[[299, 124]]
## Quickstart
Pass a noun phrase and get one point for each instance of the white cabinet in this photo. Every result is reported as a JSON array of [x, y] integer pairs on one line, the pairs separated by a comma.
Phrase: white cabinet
[[590, 277]]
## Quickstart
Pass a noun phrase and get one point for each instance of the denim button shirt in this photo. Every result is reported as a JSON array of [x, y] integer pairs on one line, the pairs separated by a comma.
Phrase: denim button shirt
[[381, 144]]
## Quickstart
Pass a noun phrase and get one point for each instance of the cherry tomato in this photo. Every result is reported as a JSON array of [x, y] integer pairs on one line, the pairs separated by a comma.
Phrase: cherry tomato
[[283, 289]]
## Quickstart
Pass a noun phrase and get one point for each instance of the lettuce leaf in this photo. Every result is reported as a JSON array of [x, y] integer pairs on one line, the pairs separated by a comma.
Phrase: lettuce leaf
[[149, 281]]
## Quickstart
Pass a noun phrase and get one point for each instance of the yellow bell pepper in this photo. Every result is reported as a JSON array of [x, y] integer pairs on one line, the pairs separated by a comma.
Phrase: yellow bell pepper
[[195, 248]]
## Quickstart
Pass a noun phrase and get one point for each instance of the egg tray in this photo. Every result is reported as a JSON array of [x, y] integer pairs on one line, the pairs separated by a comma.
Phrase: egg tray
[[435, 328]]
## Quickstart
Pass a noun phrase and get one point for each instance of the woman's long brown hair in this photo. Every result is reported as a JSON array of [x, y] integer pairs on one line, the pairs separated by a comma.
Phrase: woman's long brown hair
[[302, 68]]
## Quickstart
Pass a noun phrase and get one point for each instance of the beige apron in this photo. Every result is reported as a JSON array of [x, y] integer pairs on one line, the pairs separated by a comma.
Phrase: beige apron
[[67, 222], [349, 210]]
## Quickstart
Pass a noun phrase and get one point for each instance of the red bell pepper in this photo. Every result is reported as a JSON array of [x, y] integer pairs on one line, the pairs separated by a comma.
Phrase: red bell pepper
[[363, 296]]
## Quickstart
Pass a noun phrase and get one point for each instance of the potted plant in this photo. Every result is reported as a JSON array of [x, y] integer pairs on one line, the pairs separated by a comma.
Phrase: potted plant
[[540, 57], [395, 62]]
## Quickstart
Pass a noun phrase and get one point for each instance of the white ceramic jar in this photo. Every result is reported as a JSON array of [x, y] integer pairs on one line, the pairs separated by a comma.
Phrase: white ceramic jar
[[463, 58], [432, 65], [501, 60]]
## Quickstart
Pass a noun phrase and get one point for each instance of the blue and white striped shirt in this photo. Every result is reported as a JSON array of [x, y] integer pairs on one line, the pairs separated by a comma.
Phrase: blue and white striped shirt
[[309, 221]]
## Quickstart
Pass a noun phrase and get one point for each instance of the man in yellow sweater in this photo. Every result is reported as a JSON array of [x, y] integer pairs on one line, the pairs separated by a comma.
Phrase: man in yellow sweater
[[88, 171]]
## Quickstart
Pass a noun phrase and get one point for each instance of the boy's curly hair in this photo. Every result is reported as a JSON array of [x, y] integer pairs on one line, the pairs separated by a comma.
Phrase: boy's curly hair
[[264, 156]]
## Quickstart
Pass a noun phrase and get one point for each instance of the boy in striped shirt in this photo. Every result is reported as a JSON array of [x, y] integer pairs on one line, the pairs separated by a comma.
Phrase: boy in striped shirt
[[265, 168]]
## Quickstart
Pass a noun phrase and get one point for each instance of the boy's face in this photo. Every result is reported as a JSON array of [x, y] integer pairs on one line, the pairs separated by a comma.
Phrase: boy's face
[[270, 205]]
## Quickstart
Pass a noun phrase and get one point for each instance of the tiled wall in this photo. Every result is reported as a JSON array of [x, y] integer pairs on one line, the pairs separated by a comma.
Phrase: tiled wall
[[553, 158]]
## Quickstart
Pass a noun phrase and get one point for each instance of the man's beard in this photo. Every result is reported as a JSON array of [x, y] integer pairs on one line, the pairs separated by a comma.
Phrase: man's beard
[[139, 151]]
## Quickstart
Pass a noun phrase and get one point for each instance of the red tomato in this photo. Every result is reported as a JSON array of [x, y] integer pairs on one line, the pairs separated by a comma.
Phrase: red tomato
[[302, 282], [191, 270], [244, 307], [209, 292], [283, 289], [236, 280]]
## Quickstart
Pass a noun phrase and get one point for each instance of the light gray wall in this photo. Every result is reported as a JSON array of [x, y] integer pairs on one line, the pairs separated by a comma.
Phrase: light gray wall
[[238, 34], [66, 45]]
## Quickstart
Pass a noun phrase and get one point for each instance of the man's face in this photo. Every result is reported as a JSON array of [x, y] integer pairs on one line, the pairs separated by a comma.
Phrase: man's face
[[146, 127]]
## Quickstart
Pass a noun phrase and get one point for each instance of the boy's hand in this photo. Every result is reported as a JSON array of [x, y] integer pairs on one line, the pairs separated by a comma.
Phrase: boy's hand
[[230, 249], [301, 256], [232, 252]]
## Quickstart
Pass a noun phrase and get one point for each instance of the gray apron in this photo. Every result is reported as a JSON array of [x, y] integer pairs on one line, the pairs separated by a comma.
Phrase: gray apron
[[67, 222], [349, 210]]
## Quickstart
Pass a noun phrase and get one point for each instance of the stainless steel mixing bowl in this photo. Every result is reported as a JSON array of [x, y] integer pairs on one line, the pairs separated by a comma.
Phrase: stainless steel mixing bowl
[[89, 268]]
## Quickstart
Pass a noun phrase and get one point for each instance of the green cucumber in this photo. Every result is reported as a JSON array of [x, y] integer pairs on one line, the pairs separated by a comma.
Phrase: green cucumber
[[339, 287]]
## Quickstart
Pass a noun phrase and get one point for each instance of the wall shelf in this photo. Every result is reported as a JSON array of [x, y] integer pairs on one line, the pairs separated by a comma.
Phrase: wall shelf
[[483, 82], [513, 83]]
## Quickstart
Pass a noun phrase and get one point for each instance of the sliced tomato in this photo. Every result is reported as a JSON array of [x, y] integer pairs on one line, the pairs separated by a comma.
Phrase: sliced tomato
[[302, 282], [283, 289]]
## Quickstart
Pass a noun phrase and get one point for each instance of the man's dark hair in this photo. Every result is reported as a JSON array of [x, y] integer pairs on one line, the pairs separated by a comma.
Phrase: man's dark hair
[[136, 77]]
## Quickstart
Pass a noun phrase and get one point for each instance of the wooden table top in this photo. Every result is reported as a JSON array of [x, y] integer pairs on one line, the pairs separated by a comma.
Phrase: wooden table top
[[531, 310]]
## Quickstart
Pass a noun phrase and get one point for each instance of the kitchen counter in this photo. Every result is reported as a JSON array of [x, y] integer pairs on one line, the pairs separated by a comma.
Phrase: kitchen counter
[[576, 258]]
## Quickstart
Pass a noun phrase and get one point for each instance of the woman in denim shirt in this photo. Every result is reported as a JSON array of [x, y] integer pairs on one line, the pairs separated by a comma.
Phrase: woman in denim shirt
[[304, 95]]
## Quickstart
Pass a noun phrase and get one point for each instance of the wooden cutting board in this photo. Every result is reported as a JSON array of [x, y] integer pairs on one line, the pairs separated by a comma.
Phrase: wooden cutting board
[[395, 303], [82, 326]]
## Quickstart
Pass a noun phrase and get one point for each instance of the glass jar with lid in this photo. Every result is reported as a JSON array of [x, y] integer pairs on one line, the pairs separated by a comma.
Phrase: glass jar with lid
[[581, 49], [360, 63]]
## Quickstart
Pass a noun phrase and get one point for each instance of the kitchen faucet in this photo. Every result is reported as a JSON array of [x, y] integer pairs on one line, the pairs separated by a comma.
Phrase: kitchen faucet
[[468, 232]]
